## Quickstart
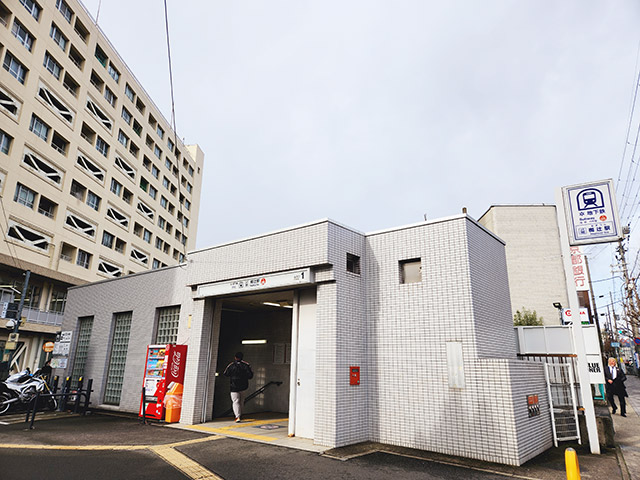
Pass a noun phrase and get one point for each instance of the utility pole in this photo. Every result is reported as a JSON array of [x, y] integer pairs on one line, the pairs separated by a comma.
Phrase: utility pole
[[631, 308], [13, 337], [596, 318]]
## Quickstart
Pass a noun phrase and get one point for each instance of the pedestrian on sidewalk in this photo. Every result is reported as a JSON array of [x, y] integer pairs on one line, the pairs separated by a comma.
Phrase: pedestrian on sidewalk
[[615, 379], [239, 373]]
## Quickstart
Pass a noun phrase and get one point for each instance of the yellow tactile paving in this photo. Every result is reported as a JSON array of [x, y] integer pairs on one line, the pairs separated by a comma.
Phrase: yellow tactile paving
[[106, 447], [232, 430], [184, 464]]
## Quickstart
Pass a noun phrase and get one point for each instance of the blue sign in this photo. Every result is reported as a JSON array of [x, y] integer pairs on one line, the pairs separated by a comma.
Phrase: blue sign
[[592, 213], [615, 344]]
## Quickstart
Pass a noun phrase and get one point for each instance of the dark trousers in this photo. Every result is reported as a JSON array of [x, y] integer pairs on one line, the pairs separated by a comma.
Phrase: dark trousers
[[612, 402]]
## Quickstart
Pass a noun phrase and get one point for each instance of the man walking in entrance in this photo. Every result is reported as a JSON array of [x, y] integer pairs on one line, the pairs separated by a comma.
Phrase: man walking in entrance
[[615, 379], [239, 373]]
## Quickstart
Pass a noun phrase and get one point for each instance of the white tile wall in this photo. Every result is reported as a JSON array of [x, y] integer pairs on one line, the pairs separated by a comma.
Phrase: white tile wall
[[394, 332]]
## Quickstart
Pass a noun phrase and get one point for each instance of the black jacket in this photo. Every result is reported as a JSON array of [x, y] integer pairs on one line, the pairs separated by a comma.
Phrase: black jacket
[[239, 373], [617, 387]]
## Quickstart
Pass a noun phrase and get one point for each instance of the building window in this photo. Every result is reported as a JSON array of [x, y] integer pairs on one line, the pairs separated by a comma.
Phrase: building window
[[102, 146], [157, 152], [24, 195], [118, 358], [85, 325], [5, 142], [155, 264], [109, 95], [58, 37], [155, 171], [146, 236], [84, 259], [116, 187], [168, 321], [411, 271], [51, 65], [14, 67], [126, 115], [190, 170], [58, 301], [161, 222], [108, 239], [113, 71], [163, 202], [353, 263], [153, 191], [93, 200], [46, 207], [38, 127], [129, 92], [66, 12], [32, 7], [189, 187], [123, 139], [167, 163], [170, 144], [160, 131], [22, 34], [101, 56]]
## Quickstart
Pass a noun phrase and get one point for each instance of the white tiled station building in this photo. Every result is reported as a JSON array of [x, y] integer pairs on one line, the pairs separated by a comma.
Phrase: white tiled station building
[[423, 310]]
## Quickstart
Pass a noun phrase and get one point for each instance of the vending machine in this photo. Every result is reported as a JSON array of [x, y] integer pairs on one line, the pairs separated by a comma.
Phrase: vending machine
[[163, 379]]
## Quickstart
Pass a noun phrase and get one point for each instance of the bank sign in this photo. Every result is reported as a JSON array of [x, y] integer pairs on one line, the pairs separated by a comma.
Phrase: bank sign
[[261, 282], [592, 213]]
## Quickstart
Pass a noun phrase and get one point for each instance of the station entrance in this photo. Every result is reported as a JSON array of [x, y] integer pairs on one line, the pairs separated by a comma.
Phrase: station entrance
[[276, 333]]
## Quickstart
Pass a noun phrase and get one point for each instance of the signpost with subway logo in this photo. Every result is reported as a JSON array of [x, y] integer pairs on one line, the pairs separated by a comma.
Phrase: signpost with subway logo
[[587, 214], [592, 213]]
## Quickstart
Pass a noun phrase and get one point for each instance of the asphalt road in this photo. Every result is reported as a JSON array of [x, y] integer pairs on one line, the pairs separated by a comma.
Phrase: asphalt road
[[56, 450], [230, 459]]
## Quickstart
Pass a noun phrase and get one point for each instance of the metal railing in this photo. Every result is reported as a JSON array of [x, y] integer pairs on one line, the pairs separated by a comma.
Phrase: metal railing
[[34, 315], [252, 396]]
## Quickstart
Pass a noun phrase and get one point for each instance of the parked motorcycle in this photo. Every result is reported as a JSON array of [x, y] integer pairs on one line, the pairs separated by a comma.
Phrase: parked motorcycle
[[22, 387]]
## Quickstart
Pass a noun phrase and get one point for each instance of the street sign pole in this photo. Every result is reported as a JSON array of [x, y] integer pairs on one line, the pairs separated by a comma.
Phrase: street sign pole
[[576, 328]]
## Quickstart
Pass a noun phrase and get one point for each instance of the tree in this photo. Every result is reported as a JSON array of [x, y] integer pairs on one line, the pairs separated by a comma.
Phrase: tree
[[526, 318]]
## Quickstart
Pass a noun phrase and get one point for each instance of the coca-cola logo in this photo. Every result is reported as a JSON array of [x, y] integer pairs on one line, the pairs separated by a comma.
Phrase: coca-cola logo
[[175, 364]]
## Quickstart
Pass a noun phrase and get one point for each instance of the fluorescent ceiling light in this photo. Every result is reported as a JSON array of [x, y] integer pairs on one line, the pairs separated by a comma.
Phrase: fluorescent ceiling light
[[281, 303], [253, 342]]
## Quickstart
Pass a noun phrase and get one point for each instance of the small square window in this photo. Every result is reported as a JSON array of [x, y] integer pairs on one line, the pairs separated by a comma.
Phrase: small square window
[[353, 263], [411, 271]]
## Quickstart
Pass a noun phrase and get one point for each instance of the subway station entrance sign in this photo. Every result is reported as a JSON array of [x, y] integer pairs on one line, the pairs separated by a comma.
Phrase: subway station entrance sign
[[592, 213]]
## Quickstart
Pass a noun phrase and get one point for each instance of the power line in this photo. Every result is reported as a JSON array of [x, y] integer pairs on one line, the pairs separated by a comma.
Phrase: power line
[[175, 132]]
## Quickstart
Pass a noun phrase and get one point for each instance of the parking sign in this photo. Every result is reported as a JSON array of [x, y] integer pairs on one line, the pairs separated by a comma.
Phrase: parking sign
[[592, 213]]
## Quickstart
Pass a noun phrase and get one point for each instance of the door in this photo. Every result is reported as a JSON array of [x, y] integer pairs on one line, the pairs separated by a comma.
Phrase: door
[[306, 365]]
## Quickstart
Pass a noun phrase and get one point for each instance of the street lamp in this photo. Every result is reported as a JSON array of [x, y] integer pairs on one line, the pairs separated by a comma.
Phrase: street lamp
[[558, 305]]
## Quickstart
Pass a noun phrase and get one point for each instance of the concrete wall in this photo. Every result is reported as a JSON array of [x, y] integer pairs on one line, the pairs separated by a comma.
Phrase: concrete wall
[[534, 262]]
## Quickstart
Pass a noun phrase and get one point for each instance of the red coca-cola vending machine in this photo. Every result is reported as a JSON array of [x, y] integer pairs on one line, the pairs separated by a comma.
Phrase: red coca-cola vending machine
[[163, 377]]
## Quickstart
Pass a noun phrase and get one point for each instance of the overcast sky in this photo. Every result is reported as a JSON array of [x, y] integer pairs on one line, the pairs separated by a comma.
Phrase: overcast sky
[[375, 113]]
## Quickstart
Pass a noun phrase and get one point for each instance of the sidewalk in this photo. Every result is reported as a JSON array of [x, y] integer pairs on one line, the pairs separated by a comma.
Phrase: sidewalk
[[628, 430]]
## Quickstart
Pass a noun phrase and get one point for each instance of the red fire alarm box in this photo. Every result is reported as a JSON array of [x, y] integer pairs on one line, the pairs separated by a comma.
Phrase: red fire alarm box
[[354, 376]]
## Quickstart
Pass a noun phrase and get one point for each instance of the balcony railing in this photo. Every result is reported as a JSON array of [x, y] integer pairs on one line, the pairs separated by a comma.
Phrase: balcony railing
[[45, 318]]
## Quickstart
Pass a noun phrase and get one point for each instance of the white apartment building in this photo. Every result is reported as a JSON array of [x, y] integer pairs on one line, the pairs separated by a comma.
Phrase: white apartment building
[[94, 183]]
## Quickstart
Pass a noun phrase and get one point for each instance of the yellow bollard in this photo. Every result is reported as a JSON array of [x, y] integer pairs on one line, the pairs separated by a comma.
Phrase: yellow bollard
[[571, 463]]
